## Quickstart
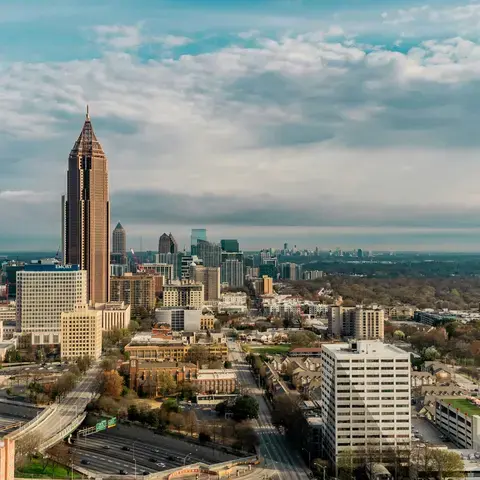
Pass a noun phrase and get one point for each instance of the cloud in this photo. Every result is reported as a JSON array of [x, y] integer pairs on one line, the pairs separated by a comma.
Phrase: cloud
[[119, 36]]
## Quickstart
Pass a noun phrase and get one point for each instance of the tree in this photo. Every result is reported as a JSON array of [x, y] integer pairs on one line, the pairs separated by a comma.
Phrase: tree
[[245, 407], [84, 363], [227, 364], [109, 363], [430, 353], [302, 339], [165, 383], [64, 384], [132, 412], [112, 383], [398, 334], [26, 447], [198, 354], [447, 463], [247, 437]]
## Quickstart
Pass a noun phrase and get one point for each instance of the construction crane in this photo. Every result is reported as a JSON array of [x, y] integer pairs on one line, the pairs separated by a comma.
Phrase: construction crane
[[138, 266]]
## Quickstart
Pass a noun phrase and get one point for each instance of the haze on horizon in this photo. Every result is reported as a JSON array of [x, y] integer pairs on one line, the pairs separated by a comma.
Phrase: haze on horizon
[[342, 124]]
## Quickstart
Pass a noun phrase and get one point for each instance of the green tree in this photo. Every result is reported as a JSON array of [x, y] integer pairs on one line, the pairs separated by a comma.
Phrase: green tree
[[430, 353], [198, 354], [398, 334], [447, 463], [165, 383], [302, 339], [245, 407]]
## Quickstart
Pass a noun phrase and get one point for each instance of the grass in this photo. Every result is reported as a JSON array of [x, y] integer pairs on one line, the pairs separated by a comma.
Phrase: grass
[[34, 469], [269, 349], [463, 405]]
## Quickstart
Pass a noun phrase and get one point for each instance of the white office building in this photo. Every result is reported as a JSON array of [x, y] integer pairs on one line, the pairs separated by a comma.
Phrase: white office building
[[43, 293], [365, 397], [179, 319]]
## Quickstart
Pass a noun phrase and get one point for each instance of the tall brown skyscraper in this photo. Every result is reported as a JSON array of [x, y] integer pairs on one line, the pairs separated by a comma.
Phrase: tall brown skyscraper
[[86, 213], [119, 245]]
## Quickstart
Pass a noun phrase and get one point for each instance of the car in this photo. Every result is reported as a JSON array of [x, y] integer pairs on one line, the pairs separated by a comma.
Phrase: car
[[106, 447], [127, 449], [161, 465], [151, 459], [84, 461], [171, 458], [122, 472], [145, 473], [157, 450]]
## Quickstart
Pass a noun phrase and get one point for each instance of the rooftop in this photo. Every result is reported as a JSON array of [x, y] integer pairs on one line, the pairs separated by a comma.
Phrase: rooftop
[[463, 405]]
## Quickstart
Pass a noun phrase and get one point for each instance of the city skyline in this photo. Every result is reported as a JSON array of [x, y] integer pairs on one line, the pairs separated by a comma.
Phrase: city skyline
[[386, 159]]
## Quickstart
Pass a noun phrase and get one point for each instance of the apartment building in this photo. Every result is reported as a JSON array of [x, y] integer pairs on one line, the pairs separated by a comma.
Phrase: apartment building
[[365, 397], [184, 294], [135, 290], [44, 292], [210, 278], [81, 333], [356, 322], [163, 269]]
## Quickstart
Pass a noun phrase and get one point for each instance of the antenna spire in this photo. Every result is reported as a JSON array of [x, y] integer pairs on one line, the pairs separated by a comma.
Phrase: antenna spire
[[87, 116]]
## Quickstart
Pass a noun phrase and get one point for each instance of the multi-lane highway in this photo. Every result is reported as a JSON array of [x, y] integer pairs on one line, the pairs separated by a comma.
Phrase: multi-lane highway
[[122, 448], [278, 454]]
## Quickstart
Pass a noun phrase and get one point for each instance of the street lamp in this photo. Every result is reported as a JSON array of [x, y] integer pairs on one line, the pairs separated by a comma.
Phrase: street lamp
[[134, 459]]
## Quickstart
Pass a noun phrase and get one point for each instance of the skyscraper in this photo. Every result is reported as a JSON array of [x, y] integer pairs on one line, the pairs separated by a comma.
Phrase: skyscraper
[[197, 234], [167, 244], [119, 244], [210, 253], [86, 210], [230, 245]]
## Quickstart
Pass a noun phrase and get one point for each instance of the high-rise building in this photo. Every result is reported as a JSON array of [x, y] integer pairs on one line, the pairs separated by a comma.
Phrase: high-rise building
[[81, 333], [44, 292], [174, 259], [232, 272], [210, 253], [119, 245], [135, 290], [357, 322], [167, 244], [188, 261], [290, 271], [184, 294], [87, 213], [268, 269], [230, 245], [365, 398], [210, 277], [10, 274], [267, 285], [197, 234]]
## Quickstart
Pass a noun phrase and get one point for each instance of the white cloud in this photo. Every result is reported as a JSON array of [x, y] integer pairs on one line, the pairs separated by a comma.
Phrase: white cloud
[[119, 36]]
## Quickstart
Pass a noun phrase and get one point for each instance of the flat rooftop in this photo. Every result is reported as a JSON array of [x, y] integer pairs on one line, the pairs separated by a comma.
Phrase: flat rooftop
[[464, 405]]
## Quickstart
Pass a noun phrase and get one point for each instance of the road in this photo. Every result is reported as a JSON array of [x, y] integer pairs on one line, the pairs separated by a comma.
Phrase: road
[[277, 452], [105, 455]]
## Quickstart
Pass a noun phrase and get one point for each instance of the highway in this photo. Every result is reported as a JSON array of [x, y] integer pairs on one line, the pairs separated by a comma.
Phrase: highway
[[277, 452], [105, 452]]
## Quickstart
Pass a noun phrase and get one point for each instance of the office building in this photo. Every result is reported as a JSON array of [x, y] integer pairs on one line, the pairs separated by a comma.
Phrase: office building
[[135, 290], [10, 274], [163, 269], [290, 271], [179, 319], [357, 322], [44, 292], [86, 213], [215, 381], [268, 269], [210, 253], [167, 244], [119, 245], [81, 333], [8, 313], [365, 398], [197, 234], [188, 261], [232, 272], [184, 294], [174, 259], [115, 315], [230, 245], [210, 278]]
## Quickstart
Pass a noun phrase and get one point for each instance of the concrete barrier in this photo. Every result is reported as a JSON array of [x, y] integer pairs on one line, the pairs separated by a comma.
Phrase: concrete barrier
[[76, 422], [42, 417]]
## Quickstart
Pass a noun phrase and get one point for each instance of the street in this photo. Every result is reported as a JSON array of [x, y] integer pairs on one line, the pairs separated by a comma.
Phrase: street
[[277, 452]]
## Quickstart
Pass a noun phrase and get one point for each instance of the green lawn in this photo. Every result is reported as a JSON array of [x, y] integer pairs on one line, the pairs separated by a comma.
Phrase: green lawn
[[34, 469], [269, 349], [463, 405]]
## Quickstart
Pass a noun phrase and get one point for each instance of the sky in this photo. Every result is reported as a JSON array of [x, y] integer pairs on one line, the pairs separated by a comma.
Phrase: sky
[[350, 123]]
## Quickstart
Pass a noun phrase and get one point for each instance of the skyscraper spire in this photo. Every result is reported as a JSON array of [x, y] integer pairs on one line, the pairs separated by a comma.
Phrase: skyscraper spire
[[87, 116]]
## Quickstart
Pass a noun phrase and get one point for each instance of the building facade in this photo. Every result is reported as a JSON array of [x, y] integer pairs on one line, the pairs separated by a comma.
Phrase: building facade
[[230, 245], [115, 315], [44, 293], [357, 322], [179, 319], [232, 272], [210, 253], [86, 213], [365, 397], [197, 234], [81, 333], [135, 290], [210, 278], [184, 294]]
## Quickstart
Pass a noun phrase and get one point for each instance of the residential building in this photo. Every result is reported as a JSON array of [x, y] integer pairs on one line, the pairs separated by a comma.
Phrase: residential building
[[179, 319], [81, 333], [207, 321], [135, 290], [210, 253], [160, 269], [268, 269], [359, 322], [312, 274], [115, 315], [252, 272], [44, 292], [233, 302], [117, 270], [459, 420], [86, 213], [210, 278], [365, 397], [290, 271], [232, 272], [197, 234], [188, 261], [185, 293], [174, 259], [267, 285], [167, 244], [119, 245], [230, 245]]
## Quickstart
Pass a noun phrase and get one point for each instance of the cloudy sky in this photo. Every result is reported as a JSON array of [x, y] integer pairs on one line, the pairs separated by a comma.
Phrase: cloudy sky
[[346, 123]]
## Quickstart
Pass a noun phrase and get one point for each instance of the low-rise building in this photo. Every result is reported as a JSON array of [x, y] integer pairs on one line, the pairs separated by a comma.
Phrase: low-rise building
[[179, 319], [81, 333], [420, 379], [459, 420], [207, 321], [115, 315], [8, 312], [215, 381]]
